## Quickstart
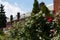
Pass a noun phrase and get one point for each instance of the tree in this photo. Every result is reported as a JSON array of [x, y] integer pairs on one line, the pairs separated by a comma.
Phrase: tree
[[44, 9], [2, 17], [35, 7], [40, 26]]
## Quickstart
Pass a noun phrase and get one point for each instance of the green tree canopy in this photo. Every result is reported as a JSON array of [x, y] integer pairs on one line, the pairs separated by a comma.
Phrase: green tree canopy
[[35, 7], [2, 17]]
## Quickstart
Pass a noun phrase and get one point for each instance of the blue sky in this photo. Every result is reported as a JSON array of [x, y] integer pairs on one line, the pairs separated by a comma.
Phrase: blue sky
[[13, 6], [27, 5]]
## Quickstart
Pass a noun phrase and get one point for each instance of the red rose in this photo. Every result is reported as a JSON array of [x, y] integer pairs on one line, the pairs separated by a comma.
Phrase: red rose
[[49, 19]]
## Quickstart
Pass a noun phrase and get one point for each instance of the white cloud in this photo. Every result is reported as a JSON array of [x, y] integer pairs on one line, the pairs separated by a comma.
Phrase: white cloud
[[50, 7], [10, 8]]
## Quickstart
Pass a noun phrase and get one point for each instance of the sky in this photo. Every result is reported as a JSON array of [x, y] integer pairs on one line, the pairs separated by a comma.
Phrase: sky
[[23, 6]]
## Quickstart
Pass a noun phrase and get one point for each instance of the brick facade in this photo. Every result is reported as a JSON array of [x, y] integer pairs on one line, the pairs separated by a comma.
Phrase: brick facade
[[56, 5]]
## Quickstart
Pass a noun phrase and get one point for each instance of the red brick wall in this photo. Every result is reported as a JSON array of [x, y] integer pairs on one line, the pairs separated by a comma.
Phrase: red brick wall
[[56, 5]]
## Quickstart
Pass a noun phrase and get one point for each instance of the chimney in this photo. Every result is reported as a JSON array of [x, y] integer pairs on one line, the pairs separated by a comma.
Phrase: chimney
[[18, 16], [11, 18]]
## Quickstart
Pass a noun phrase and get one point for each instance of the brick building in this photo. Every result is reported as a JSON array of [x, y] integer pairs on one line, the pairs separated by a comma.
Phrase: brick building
[[56, 5]]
